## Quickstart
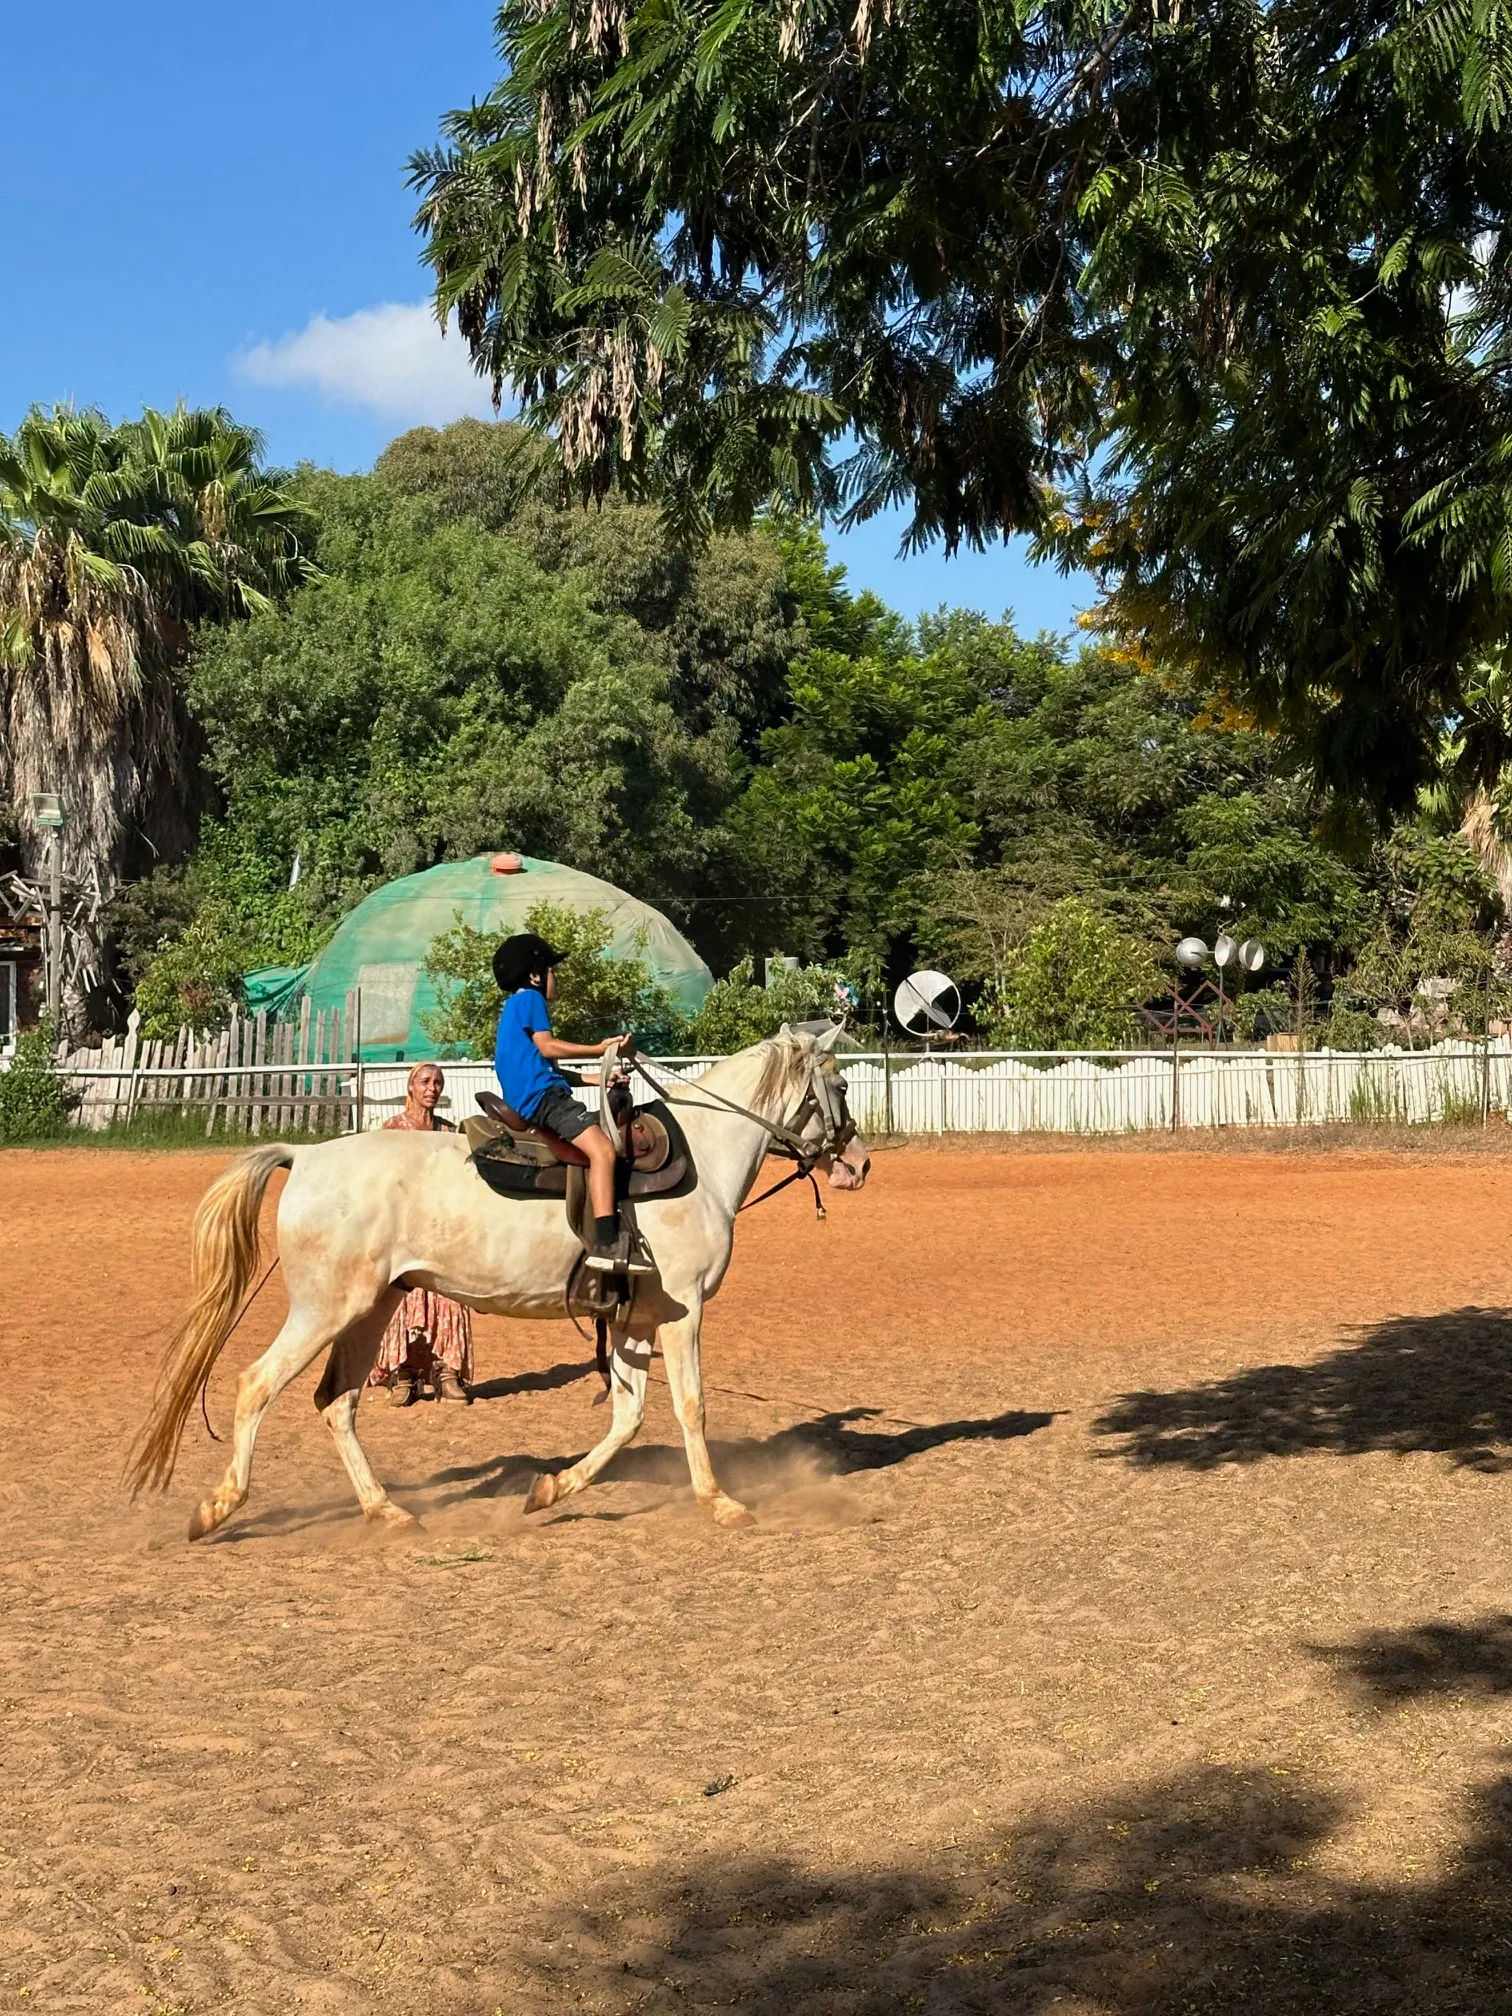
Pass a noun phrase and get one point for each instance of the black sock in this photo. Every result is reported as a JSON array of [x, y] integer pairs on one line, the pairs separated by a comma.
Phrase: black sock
[[606, 1230]]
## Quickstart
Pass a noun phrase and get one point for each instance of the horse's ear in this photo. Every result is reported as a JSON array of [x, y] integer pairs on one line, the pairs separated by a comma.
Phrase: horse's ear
[[830, 1037]]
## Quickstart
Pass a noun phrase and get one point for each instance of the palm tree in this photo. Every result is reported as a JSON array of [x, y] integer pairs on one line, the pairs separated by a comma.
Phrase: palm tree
[[1472, 792], [114, 543]]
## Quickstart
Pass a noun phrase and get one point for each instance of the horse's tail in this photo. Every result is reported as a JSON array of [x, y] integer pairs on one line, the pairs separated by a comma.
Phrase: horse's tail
[[223, 1255]]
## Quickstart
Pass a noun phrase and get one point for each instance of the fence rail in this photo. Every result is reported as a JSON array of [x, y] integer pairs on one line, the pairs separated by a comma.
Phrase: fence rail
[[267, 1078], [254, 1077]]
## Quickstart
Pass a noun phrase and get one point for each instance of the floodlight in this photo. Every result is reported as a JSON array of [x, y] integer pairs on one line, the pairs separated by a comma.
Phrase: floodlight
[[1225, 949], [1252, 955], [1191, 953]]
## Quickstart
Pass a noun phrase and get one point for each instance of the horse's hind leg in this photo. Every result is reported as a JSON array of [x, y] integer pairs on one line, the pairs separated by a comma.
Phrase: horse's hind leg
[[297, 1343], [628, 1365], [352, 1358], [679, 1344]]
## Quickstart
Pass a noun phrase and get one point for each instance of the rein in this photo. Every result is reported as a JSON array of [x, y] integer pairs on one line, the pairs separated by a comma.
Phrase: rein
[[785, 1138], [781, 1131]]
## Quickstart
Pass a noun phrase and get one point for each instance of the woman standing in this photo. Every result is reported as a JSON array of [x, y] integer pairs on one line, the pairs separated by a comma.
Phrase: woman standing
[[430, 1336]]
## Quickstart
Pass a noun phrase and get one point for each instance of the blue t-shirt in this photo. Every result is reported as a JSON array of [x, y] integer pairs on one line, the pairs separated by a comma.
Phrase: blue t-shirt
[[525, 1077]]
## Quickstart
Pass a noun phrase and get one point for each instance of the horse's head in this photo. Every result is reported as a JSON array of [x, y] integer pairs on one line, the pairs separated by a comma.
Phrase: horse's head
[[821, 1119]]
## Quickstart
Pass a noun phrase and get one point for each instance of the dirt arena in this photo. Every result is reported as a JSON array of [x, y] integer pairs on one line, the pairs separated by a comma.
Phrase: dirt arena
[[1127, 1624]]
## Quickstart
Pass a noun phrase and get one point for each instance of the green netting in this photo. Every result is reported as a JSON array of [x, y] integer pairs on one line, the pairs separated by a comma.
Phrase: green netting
[[273, 988], [382, 945]]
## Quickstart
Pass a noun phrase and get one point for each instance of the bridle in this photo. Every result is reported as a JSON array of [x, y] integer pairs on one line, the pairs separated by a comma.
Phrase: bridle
[[823, 1094]]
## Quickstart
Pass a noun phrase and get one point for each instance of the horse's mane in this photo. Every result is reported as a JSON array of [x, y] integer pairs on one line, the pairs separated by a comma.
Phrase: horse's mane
[[783, 1062]]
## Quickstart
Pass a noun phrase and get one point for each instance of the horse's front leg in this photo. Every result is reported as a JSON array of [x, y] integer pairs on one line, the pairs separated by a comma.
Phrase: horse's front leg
[[628, 1365], [679, 1347]]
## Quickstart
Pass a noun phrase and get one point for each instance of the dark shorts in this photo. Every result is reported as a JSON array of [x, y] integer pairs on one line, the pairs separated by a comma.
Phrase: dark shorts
[[560, 1114]]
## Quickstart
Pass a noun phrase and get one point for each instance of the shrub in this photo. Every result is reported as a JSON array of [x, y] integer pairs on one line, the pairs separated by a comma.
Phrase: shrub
[[1070, 986], [35, 1101], [598, 992], [195, 978], [738, 1013]]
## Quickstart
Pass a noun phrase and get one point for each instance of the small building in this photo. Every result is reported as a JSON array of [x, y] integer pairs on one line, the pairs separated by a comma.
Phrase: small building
[[22, 988], [380, 947]]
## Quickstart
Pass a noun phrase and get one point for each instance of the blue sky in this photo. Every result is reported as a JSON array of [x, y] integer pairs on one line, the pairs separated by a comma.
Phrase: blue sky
[[208, 203]]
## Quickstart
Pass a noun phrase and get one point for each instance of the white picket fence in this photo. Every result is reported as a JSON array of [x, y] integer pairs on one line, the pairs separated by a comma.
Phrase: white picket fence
[[1108, 1092], [272, 1079]]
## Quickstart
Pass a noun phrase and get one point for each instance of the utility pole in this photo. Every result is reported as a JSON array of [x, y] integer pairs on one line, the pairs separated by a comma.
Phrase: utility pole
[[55, 931], [48, 814]]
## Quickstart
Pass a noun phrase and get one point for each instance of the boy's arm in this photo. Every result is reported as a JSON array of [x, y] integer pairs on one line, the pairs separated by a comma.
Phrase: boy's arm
[[556, 1049]]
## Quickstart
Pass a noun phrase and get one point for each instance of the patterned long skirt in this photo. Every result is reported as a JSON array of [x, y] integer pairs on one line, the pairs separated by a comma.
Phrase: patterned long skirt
[[426, 1330]]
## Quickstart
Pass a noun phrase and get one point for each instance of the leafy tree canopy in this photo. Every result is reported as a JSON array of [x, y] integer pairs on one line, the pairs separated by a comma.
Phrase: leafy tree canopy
[[1214, 299]]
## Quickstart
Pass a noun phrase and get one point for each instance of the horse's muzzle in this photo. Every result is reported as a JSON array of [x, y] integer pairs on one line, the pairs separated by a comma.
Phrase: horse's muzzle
[[850, 1166]]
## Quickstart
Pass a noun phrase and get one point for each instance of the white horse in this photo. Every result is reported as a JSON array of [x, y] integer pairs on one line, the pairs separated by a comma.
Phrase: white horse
[[365, 1217]]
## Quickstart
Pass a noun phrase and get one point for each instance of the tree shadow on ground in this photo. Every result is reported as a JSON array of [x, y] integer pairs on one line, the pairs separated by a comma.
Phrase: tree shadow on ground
[[831, 1446], [1386, 1668], [1194, 1897], [1416, 1383]]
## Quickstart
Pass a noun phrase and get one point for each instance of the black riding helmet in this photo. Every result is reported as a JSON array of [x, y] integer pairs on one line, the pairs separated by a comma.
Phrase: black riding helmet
[[520, 957]]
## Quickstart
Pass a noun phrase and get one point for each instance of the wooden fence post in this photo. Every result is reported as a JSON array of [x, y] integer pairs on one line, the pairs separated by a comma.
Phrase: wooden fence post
[[129, 1061]]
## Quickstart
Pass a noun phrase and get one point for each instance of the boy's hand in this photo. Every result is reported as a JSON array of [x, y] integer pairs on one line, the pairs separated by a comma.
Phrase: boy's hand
[[611, 1043]]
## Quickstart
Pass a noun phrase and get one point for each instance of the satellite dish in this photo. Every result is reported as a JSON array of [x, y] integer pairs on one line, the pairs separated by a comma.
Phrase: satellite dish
[[1224, 949], [1252, 955], [1191, 952], [927, 1003]]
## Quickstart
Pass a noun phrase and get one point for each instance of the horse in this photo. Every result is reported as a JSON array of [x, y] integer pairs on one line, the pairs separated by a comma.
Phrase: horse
[[367, 1216]]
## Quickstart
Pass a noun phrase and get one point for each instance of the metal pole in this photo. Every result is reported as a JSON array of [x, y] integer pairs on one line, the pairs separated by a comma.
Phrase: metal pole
[[1175, 1066], [357, 1064], [887, 1110], [1486, 1058], [55, 932]]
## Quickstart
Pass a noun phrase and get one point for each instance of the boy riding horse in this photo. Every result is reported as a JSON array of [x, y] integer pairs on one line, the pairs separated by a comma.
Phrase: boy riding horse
[[526, 1055]]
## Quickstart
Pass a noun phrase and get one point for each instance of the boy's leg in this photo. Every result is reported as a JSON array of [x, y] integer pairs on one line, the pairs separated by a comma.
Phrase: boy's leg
[[601, 1159]]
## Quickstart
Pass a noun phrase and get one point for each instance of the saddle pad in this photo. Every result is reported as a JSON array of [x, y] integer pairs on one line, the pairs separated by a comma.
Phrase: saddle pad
[[509, 1178], [505, 1170]]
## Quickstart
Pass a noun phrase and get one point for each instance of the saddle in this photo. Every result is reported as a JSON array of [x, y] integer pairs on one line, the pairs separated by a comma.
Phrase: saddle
[[518, 1160]]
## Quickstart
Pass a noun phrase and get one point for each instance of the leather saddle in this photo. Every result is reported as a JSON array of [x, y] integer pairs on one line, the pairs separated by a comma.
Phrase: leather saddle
[[518, 1160]]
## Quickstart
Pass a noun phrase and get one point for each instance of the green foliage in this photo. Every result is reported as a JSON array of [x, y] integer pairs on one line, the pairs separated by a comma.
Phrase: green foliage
[[438, 695], [115, 542], [737, 1012], [468, 470], [1236, 267], [35, 1101], [195, 978], [1070, 986], [599, 992]]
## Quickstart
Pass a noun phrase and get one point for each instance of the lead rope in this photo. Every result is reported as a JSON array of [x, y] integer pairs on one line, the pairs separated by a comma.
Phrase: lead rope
[[797, 1176]]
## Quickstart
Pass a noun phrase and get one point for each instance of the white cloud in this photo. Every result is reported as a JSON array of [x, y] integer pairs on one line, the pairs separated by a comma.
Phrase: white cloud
[[392, 359]]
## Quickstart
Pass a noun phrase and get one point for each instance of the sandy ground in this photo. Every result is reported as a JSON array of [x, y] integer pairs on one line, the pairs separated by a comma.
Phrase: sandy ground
[[1126, 1626]]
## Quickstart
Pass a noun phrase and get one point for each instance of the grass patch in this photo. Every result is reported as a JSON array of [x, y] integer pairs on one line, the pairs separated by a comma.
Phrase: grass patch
[[173, 1127]]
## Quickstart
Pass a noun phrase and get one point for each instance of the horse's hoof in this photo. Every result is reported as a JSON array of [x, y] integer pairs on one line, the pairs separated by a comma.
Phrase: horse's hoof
[[730, 1512], [543, 1492], [207, 1516], [390, 1514]]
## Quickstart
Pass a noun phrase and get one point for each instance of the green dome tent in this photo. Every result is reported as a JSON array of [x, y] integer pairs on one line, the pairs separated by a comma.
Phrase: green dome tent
[[380, 946]]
